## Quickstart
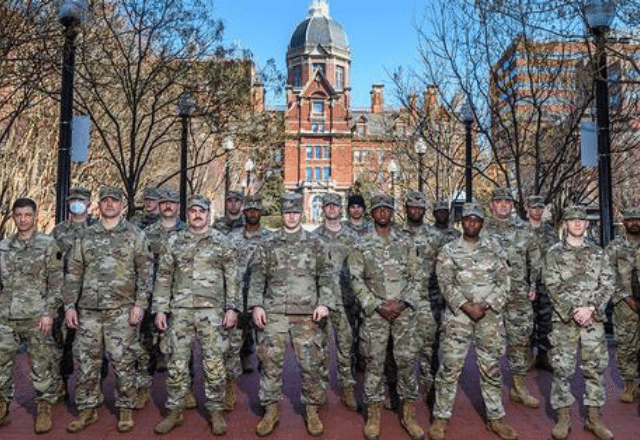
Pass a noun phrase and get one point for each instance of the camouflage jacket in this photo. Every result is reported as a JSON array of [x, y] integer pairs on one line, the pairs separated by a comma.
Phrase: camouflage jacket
[[473, 272], [445, 235], [338, 244], [523, 253], [546, 236], [158, 236], [291, 274], [427, 245], [197, 271], [246, 247], [31, 277], [362, 229], [143, 220], [577, 277], [65, 234], [384, 268], [622, 256], [226, 225], [109, 268]]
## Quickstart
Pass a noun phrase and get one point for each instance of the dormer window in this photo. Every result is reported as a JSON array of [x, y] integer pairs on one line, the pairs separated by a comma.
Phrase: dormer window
[[297, 76], [317, 107], [319, 66], [339, 77]]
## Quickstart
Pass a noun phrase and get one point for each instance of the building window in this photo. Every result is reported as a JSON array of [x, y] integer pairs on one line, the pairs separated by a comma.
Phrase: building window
[[326, 173], [319, 66], [318, 152], [359, 156], [309, 175], [309, 153], [316, 209], [317, 128], [339, 77], [318, 173], [297, 76], [360, 129], [317, 107], [325, 152]]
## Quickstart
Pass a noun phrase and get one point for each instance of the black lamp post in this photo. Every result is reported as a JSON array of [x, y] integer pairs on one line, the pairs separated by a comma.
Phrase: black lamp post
[[248, 167], [467, 118], [421, 148], [185, 108], [228, 145], [71, 14], [393, 169], [600, 15]]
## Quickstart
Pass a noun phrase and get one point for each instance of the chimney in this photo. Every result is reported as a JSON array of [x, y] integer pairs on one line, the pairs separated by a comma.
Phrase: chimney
[[430, 98], [413, 108], [258, 97], [377, 99]]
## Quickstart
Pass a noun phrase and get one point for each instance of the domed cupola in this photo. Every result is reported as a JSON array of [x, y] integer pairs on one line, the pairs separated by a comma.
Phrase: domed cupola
[[319, 29]]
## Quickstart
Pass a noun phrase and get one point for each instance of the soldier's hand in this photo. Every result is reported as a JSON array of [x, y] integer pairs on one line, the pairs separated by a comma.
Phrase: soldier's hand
[[230, 319], [135, 316], [391, 309], [320, 313], [45, 325], [71, 318], [259, 318], [532, 295], [583, 316], [475, 311], [633, 304], [161, 321]]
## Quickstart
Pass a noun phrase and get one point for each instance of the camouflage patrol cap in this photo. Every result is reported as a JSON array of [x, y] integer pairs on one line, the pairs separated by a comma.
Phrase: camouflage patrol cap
[[168, 195], [382, 200], [574, 212], [291, 202], [234, 194], [151, 193], [253, 202], [502, 193], [535, 202], [415, 198], [109, 191], [331, 199], [441, 205], [199, 200], [79, 193], [472, 209], [631, 212]]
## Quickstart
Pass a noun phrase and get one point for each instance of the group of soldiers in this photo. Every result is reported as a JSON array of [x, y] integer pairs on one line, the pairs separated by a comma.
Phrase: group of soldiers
[[137, 294]]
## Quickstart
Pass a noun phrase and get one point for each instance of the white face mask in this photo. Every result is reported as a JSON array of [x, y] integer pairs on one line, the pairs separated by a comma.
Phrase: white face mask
[[77, 208]]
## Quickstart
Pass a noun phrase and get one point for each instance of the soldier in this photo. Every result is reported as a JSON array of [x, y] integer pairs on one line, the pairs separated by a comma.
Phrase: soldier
[[524, 262], [149, 357], [232, 218], [580, 282], [385, 276], [546, 236], [339, 240], [241, 340], [474, 281], [31, 277], [290, 296], [426, 246], [197, 283], [355, 211], [108, 281], [442, 225], [626, 299], [151, 211]]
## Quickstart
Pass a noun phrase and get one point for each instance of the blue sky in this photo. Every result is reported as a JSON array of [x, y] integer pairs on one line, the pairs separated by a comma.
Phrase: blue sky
[[380, 33]]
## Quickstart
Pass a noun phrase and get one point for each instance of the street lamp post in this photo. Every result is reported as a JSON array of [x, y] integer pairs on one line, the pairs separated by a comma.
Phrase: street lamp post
[[71, 14], [467, 118], [248, 167], [421, 148], [228, 146], [393, 169], [600, 15], [185, 108]]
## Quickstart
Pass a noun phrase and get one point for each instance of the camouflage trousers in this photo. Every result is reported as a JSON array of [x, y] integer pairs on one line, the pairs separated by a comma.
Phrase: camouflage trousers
[[310, 346], [566, 340], [375, 332], [344, 344], [542, 311], [458, 333], [426, 333], [110, 331], [240, 345], [147, 347], [518, 326], [40, 350], [186, 327], [627, 330]]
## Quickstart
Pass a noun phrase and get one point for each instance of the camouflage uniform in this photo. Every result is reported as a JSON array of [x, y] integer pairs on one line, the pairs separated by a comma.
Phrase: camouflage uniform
[[290, 277], [227, 225], [109, 274], [472, 273], [31, 276], [141, 218], [575, 277], [196, 282]]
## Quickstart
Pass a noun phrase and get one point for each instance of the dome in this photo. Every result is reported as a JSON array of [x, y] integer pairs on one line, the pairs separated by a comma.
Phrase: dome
[[319, 29]]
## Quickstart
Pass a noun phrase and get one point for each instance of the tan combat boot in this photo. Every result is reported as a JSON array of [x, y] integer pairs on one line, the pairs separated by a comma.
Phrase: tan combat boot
[[61, 390], [142, 397], [520, 394], [218, 425], [372, 428], [312, 420], [348, 398], [502, 430], [43, 418], [174, 419], [4, 412], [409, 422], [190, 399], [438, 430], [86, 417], [125, 420], [595, 425], [629, 392], [269, 421], [229, 395], [562, 429]]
